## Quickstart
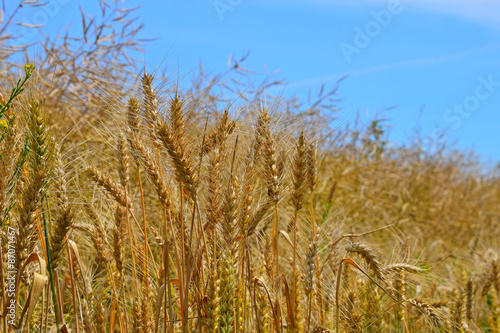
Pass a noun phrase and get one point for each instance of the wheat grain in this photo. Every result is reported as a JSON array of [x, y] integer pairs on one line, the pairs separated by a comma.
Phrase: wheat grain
[[426, 309], [370, 258]]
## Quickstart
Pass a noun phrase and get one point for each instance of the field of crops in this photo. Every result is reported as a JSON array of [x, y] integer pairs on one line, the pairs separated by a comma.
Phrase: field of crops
[[131, 204]]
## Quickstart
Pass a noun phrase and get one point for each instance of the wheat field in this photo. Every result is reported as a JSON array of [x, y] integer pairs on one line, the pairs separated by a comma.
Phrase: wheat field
[[130, 203]]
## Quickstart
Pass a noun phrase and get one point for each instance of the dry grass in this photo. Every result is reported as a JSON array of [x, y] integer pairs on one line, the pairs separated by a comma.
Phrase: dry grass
[[140, 207]]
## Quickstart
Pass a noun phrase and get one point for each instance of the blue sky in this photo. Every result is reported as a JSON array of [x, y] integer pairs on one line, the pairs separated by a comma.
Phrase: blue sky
[[436, 62]]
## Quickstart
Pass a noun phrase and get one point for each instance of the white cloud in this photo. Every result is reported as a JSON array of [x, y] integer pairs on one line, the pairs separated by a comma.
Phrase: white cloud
[[484, 11], [479, 10]]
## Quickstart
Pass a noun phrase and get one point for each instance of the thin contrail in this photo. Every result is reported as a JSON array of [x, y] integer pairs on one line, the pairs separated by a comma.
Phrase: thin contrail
[[395, 65]]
